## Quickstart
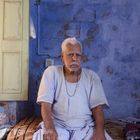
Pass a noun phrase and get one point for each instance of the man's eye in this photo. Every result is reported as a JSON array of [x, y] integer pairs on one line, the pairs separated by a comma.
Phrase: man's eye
[[79, 55], [70, 54]]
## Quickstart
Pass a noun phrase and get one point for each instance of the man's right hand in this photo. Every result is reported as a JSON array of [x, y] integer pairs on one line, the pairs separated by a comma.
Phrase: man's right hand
[[50, 134]]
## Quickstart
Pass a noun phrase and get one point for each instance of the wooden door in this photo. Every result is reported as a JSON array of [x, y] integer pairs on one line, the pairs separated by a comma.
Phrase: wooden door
[[14, 40]]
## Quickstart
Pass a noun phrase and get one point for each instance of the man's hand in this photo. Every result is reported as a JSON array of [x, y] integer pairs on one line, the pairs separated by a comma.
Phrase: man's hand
[[98, 135], [50, 134]]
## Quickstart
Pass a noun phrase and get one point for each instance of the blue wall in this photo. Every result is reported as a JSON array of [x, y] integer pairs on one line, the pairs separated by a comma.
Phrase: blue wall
[[110, 33]]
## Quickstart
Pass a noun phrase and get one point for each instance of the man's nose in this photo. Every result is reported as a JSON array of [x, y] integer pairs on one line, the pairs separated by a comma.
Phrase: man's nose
[[74, 57]]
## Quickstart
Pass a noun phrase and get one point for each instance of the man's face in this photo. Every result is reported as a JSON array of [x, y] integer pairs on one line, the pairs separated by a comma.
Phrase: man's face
[[71, 57]]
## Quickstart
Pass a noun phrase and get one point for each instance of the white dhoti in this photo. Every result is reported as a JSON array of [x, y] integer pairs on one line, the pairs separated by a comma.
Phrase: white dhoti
[[84, 133]]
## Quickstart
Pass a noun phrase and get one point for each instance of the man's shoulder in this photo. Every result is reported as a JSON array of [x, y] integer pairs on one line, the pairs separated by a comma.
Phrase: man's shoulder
[[89, 72], [54, 68]]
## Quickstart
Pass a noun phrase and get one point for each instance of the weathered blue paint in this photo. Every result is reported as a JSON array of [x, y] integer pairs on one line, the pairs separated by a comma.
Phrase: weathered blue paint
[[110, 34]]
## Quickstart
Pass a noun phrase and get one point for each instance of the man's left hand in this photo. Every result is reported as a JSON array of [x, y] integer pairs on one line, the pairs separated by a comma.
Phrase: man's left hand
[[98, 135]]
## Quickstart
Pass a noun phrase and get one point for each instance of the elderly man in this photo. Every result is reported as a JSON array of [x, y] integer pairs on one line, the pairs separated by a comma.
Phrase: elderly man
[[71, 99]]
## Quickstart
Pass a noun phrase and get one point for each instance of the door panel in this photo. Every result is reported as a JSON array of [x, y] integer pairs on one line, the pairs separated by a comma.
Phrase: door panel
[[14, 38]]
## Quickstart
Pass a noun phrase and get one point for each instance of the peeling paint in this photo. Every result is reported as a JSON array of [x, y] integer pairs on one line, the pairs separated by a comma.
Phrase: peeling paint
[[109, 70], [136, 96]]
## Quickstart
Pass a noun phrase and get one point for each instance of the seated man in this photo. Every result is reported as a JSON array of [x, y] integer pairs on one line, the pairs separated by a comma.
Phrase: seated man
[[71, 99]]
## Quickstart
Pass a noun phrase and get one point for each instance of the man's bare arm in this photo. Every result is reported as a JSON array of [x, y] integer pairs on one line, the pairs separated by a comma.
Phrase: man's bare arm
[[46, 113], [99, 123]]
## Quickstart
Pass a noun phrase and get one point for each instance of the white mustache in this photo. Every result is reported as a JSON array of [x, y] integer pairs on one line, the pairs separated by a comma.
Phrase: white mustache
[[74, 63]]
